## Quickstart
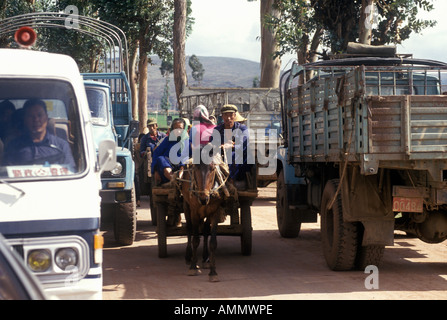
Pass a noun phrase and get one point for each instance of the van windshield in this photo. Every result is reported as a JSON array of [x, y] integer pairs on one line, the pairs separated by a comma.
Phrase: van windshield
[[40, 129], [97, 101]]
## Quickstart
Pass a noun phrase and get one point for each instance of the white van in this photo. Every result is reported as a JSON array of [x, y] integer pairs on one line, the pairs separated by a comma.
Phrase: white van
[[50, 181]]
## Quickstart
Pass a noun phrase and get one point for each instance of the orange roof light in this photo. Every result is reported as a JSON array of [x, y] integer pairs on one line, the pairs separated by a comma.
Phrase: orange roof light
[[25, 37]]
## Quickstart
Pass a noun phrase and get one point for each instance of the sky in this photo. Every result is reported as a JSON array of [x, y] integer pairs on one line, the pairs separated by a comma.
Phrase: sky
[[231, 28]]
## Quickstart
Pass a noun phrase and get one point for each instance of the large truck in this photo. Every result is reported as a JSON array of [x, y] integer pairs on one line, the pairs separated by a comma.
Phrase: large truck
[[365, 144], [49, 190], [108, 95]]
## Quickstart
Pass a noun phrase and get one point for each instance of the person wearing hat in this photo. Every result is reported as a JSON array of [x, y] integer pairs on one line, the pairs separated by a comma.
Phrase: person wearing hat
[[234, 136], [153, 137], [202, 127], [163, 165]]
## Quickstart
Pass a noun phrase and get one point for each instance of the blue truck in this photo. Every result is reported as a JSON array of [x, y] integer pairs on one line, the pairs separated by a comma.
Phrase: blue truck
[[365, 146], [111, 110]]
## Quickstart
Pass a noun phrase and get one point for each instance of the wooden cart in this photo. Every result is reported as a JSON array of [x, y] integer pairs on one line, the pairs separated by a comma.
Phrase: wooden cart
[[168, 202]]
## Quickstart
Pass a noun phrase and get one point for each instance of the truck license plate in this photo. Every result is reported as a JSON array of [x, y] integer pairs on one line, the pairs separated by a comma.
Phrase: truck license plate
[[401, 204]]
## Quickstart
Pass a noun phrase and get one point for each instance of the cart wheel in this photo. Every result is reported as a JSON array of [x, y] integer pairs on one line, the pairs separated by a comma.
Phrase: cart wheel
[[153, 209], [247, 231], [161, 227]]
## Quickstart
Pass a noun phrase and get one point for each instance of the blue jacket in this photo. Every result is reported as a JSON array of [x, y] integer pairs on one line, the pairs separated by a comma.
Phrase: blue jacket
[[53, 150], [161, 157], [148, 141], [239, 155]]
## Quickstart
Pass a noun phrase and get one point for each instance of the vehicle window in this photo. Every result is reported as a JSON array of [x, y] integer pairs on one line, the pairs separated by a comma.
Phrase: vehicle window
[[40, 129], [97, 101], [398, 83]]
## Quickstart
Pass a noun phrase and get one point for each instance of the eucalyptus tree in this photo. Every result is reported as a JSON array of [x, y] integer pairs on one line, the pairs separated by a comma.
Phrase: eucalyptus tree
[[149, 26], [306, 25], [197, 68], [166, 69]]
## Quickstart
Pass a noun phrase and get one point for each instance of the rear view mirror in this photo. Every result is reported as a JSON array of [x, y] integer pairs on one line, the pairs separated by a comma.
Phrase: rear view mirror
[[107, 155], [134, 129]]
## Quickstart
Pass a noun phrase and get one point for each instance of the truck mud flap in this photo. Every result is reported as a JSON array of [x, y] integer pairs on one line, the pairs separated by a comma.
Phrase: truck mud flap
[[364, 202]]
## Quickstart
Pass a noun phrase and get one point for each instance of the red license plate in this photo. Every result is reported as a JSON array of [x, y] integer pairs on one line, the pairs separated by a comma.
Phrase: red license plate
[[401, 204]]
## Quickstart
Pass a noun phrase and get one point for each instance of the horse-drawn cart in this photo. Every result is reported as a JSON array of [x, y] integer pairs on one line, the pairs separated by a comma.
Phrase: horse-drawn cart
[[168, 203]]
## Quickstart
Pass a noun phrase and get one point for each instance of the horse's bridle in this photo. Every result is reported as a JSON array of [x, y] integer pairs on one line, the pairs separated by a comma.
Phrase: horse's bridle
[[193, 183]]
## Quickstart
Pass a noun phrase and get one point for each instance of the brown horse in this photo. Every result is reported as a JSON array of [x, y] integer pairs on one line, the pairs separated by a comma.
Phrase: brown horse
[[203, 188]]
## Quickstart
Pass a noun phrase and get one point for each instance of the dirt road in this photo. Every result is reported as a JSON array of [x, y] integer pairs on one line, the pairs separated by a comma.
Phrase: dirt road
[[277, 269]]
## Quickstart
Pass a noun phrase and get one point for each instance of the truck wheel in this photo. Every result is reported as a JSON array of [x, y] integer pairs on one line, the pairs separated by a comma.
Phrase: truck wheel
[[161, 230], [339, 238], [125, 224], [247, 230], [367, 255], [289, 222]]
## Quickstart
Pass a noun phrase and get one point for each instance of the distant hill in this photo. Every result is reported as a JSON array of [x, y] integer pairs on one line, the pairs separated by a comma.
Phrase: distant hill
[[219, 72]]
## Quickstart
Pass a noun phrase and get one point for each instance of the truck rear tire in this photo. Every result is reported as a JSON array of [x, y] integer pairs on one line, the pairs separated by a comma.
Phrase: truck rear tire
[[289, 222], [339, 238], [368, 255], [125, 224]]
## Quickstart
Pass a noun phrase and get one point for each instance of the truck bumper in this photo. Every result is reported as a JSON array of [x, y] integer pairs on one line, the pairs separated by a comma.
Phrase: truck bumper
[[115, 196]]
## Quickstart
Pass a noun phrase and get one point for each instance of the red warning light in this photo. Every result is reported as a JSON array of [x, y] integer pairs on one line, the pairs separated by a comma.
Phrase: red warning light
[[25, 37]]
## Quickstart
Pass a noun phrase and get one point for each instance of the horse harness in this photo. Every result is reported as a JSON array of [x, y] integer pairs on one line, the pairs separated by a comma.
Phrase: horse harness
[[193, 183]]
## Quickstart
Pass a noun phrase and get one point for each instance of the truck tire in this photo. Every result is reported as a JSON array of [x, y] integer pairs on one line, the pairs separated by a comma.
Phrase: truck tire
[[125, 224], [339, 238], [368, 255], [289, 222], [247, 230]]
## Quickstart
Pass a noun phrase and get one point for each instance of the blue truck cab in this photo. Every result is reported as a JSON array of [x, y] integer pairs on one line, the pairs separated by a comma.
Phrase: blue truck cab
[[110, 107]]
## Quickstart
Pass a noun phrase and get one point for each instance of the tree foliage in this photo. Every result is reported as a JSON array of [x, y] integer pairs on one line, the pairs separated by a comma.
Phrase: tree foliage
[[305, 25], [197, 68], [85, 49], [166, 68], [397, 20], [148, 25]]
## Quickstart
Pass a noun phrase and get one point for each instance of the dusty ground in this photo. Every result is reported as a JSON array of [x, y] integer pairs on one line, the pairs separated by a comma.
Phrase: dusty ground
[[277, 269]]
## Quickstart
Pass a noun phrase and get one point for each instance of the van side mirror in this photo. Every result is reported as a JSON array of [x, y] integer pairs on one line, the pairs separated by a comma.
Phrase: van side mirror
[[134, 128], [106, 155]]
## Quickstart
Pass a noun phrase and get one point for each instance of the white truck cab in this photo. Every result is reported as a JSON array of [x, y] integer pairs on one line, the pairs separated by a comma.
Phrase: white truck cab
[[49, 188]]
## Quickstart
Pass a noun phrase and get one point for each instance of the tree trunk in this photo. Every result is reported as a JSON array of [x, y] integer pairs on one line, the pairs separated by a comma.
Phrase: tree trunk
[[180, 79], [142, 90], [270, 68], [365, 23], [133, 80]]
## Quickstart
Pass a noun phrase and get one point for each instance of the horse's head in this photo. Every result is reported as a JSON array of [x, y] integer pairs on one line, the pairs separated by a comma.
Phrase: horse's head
[[204, 176]]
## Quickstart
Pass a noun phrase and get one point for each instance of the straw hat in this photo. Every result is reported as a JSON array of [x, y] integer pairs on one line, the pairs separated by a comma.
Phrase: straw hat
[[239, 117]]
